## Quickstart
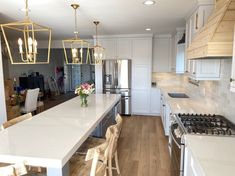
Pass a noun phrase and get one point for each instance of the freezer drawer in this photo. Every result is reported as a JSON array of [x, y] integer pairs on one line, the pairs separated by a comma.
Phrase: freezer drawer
[[126, 105]]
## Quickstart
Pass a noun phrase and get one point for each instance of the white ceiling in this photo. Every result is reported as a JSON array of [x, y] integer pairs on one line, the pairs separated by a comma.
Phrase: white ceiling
[[116, 16]]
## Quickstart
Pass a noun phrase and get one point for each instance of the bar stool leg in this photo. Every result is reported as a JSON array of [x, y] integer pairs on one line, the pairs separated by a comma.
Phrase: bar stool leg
[[116, 163], [110, 167]]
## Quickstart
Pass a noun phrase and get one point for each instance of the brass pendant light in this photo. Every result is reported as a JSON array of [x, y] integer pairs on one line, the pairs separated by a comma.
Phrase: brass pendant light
[[76, 50], [97, 51], [28, 33]]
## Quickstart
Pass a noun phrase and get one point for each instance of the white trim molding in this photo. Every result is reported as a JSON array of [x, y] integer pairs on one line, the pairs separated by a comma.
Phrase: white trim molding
[[125, 36], [3, 113]]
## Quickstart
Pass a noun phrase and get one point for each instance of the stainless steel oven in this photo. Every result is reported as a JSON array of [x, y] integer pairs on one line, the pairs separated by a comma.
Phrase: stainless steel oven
[[176, 150], [194, 124]]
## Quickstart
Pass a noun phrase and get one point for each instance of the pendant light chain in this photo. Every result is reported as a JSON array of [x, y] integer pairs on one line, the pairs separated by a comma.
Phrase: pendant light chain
[[76, 23], [96, 34], [26, 9]]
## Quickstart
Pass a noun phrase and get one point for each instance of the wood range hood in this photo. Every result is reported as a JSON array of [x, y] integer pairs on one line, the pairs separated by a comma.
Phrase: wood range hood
[[215, 39]]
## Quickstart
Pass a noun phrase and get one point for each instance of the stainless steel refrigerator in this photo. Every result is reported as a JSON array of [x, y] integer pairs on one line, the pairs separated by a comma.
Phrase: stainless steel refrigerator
[[117, 80]]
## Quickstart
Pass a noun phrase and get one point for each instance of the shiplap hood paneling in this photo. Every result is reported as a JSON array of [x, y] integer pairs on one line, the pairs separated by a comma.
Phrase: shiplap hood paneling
[[215, 39]]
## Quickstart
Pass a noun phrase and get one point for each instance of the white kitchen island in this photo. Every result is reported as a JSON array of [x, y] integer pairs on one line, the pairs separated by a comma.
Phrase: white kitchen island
[[50, 138]]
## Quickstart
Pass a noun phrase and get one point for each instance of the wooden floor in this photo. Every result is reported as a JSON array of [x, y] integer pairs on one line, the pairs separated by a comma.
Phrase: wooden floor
[[143, 147]]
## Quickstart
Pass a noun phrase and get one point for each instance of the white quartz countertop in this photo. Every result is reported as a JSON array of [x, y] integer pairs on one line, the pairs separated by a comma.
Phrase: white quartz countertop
[[215, 155], [50, 138], [186, 105]]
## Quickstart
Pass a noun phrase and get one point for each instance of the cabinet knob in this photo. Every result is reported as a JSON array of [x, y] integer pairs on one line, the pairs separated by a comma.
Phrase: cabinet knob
[[163, 105], [194, 73], [232, 80]]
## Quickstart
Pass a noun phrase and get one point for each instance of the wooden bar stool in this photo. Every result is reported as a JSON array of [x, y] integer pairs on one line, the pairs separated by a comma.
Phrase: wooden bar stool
[[92, 142], [83, 166], [13, 169], [16, 120]]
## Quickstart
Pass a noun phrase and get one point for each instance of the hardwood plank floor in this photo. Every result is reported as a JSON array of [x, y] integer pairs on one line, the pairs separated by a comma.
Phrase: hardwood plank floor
[[142, 147]]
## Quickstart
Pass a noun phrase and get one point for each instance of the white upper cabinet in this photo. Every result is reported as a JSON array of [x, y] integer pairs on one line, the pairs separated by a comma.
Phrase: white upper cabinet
[[232, 80], [124, 48], [142, 51], [204, 69], [110, 46], [117, 48], [162, 53], [180, 58], [198, 19]]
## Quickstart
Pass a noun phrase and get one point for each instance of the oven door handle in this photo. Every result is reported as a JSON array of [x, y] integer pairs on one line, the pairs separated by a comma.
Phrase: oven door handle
[[174, 139]]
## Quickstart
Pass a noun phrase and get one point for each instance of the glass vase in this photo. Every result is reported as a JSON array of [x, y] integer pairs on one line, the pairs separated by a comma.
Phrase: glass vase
[[83, 101]]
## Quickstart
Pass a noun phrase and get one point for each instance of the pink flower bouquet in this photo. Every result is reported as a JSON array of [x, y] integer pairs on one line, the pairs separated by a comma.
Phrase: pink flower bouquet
[[84, 91]]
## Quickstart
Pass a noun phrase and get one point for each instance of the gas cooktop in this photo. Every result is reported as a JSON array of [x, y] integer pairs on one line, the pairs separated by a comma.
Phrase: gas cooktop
[[206, 124]]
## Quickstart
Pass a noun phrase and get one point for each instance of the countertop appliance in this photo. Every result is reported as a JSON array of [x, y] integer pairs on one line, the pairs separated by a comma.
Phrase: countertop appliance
[[195, 124], [117, 80]]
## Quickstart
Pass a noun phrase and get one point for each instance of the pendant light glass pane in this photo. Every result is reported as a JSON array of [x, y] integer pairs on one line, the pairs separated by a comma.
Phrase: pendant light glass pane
[[91, 58], [98, 52], [75, 51]]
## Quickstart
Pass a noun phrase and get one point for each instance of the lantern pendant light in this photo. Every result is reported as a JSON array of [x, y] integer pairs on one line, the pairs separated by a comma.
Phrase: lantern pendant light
[[27, 44], [76, 50], [98, 51]]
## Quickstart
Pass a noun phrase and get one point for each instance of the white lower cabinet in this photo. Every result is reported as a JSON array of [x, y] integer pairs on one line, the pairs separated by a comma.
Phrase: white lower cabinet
[[165, 113], [146, 102], [140, 101], [162, 109], [204, 69], [155, 101]]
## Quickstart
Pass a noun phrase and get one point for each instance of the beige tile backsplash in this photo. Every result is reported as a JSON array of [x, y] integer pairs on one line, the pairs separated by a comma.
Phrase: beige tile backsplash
[[215, 93]]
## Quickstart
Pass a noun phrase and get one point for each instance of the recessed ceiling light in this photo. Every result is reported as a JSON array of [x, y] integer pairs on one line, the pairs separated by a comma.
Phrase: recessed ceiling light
[[148, 29], [149, 2]]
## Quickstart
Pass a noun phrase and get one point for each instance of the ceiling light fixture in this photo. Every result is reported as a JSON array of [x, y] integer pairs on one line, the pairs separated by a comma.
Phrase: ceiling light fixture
[[27, 31], [149, 2], [148, 29], [97, 50], [75, 49], [24, 10]]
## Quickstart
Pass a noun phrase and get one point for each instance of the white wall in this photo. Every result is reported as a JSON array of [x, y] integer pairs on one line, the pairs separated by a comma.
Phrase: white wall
[[162, 53], [3, 114]]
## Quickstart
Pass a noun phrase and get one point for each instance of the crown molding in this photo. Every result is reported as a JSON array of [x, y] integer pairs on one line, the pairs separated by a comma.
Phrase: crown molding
[[124, 36], [197, 4], [163, 36]]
